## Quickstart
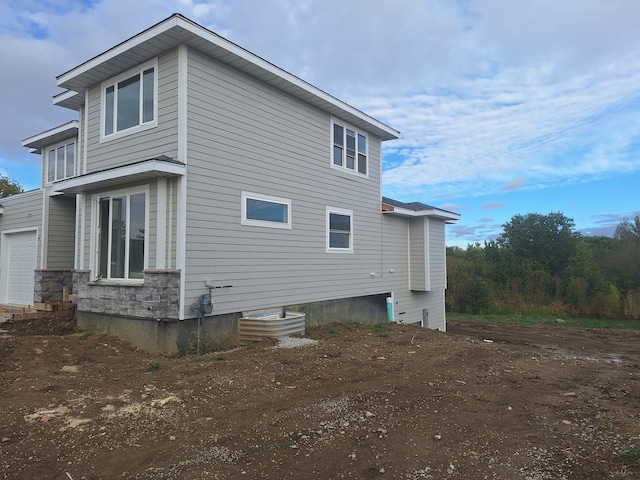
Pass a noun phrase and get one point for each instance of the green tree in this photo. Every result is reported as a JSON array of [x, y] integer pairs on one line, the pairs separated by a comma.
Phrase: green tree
[[627, 230], [545, 242], [8, 187]]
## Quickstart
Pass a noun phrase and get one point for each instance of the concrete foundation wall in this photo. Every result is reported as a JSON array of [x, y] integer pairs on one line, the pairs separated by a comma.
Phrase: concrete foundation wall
[[158, 336], [170, 336], [369, 309]]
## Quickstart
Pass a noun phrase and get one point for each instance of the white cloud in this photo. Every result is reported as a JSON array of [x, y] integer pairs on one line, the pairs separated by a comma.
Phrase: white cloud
[[483, 91]]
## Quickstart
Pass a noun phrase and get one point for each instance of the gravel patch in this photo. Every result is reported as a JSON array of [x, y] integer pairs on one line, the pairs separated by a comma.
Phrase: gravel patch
[[293, 342]]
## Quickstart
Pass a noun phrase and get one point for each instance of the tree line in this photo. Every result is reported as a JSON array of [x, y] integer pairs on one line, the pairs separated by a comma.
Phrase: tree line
[[541, 264]]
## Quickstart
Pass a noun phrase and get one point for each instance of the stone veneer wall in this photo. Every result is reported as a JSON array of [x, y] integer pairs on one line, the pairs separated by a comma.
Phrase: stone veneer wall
[[156, 298], [49, 284]]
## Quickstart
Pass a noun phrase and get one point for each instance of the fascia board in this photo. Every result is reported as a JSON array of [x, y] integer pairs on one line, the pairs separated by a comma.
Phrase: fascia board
[[143, 170], [437, 213], [55, 135]]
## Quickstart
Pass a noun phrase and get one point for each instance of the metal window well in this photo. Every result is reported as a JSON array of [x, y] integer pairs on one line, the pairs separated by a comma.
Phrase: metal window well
[[255, 326]]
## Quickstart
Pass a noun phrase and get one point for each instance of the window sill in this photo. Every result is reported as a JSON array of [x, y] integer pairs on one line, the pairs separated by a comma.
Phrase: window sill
[[117, 283]]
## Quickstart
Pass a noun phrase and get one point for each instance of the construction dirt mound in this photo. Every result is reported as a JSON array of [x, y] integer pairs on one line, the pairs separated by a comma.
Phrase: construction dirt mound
[[392, 401]]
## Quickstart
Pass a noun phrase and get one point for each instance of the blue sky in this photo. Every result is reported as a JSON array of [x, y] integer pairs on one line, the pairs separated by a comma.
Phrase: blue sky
[[505, 107]]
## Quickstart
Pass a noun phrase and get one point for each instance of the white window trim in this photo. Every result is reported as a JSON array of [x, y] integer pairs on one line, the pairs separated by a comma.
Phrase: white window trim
[[343, 167], [113, 82], [339, 211], [263, 223], [93, 262], [64, 144]]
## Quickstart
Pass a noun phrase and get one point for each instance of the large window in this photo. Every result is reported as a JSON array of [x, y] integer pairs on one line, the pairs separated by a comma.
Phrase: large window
[[339, 230], [265, 211], [130, 103], [61, 162], [121, 235], [349, 149]]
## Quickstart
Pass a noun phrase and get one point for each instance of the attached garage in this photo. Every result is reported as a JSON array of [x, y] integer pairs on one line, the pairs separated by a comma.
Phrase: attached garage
[[19, 255]]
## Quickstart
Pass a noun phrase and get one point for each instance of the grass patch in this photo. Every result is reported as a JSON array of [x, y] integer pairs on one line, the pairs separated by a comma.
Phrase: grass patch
[[328, 328], [333, 329], [83, 334], [153, 367], [201, 359], [208, 344], [632, 453], [544, 320], [604, 420]]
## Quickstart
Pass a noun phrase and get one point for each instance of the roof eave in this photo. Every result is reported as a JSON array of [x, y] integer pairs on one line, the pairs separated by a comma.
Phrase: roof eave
[[69, 99], [37, 142], [177, 30], [114, 177], [449, 217]]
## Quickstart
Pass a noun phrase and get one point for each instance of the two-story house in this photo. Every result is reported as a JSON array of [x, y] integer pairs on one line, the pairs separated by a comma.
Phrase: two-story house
[[196, 166]]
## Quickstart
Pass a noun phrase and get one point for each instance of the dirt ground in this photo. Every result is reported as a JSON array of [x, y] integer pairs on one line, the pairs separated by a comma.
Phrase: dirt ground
[[399, 402]]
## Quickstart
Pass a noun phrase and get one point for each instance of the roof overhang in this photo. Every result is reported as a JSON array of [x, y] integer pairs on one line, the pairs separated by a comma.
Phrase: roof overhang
[[69, 99], [177, 30], [118, 176], [448, 217], [51, 137]]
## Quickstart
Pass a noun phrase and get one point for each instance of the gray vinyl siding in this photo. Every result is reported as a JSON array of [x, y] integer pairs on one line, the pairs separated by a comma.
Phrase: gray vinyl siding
[[413, 307], [410, 306], [60, 232], [418, 251], [427, 253], [141, 145], [246, 136], [22, 212], [437, 254]]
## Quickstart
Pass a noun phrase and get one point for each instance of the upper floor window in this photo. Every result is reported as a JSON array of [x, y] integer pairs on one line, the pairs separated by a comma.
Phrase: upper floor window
[[265, 211], [130, 102], [349, 149], [61, 162]]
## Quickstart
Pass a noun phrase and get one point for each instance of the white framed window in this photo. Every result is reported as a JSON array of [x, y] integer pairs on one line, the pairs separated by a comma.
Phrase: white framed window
[[265, 211], [61, 162], [130, 102], [339, 230], [120, 223], [349, 149]]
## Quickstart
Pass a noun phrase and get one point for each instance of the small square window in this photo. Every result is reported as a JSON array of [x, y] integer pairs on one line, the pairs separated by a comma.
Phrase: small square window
[[339, 230], [265, 211]]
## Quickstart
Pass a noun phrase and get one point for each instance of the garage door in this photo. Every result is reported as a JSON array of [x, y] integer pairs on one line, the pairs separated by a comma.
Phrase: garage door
[[21, 265]]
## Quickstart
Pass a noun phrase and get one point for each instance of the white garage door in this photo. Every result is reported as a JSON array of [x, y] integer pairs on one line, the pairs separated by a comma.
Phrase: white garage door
[[21, 264]]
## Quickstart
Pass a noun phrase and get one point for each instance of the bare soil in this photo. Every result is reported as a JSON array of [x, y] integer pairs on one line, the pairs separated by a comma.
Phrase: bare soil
[[397, 402]]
